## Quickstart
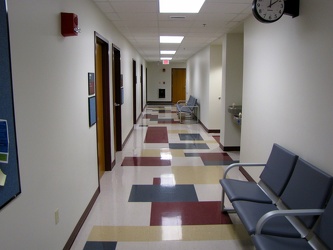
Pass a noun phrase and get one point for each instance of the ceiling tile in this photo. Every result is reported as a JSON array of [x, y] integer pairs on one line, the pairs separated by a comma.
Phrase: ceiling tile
[[142, 24]]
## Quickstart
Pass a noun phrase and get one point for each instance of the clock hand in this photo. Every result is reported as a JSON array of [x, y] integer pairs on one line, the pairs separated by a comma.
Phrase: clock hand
[[273, 3], [270, 4]]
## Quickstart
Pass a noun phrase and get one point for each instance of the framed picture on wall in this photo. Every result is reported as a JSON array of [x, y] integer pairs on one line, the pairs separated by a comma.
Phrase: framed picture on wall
[[92, 110], [91, 83]]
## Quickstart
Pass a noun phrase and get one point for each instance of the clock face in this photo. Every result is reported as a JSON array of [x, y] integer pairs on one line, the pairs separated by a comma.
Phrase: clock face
[[268, 11]]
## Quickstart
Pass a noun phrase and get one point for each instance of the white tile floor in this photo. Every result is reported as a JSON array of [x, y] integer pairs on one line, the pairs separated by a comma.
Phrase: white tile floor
[[112, 208]]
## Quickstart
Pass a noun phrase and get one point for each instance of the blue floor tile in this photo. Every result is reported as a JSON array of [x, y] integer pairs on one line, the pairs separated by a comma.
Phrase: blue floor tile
[[190, 137], [100, 245], [211, 159], [188, 146], [219, 163], [156, 193]]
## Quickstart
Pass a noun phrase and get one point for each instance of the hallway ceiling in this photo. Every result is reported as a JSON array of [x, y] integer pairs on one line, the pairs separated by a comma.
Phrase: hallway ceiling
[[142, 24]]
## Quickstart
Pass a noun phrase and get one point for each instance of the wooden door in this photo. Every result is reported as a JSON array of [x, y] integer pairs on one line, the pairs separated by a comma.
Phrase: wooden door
[[100, 118], [102, 104], [178, 85]]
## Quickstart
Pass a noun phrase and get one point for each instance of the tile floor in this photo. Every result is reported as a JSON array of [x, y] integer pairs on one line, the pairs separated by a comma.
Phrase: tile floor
[[164, 191]]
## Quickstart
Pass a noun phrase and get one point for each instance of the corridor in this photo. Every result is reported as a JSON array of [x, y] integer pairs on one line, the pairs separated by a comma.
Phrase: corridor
[[164, 191]]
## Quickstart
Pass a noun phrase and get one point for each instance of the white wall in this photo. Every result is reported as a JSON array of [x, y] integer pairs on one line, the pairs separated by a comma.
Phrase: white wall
[[138, 87], [204, 81], [56, 147], [159, 79], [288, 89], [198, 76], [232, 84], [128, 54], [215, 87]]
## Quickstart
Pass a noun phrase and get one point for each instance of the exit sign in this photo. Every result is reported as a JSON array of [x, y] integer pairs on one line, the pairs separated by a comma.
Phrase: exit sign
[[165, 61]]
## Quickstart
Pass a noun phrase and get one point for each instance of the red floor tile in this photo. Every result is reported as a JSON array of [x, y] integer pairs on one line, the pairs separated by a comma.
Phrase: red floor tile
[[187, 213], [156, 181], [150, 116], [215, 156], [145, 161], [217, 138], [156, 135], [167, 121]]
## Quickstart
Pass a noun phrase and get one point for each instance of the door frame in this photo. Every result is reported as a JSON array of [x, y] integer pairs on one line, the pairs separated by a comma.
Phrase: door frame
[[106, 98]]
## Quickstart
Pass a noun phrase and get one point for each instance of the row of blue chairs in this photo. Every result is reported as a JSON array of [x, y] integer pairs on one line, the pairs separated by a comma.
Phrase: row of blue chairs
[[290, 206]]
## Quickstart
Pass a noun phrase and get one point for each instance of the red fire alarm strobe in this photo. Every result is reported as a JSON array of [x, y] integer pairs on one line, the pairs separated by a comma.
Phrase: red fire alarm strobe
[[69, 24]]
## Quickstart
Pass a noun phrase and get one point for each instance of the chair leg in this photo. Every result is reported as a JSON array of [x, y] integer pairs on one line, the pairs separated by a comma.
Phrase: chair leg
[[222, 201], [223, 208]]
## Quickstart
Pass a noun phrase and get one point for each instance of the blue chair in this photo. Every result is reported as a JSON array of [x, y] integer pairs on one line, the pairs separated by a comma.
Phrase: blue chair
[[321, 239], [308, 188], [187, 108], [273, 179]]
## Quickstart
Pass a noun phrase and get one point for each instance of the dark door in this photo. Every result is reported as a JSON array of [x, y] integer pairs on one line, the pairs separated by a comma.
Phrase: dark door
[[117, 92], [141, 81], [134, 92]]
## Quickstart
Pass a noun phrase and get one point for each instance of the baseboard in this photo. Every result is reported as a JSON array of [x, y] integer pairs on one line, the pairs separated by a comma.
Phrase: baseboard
[[138, 118], [215, 131], [113, 164], [84, 216], [128, 136], [159, 103], [236, 148], [246, 174]]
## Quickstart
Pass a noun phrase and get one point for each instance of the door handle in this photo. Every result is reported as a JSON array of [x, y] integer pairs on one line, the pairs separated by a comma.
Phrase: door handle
[[116, 104]]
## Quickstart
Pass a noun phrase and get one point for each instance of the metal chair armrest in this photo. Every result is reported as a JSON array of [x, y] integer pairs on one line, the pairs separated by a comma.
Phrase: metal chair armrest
[[181, 101], [231, 166], [292, 212]]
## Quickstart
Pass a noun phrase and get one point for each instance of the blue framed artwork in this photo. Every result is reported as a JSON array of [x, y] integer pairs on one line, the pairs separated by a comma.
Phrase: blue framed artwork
[[92, 110], [10, 185]]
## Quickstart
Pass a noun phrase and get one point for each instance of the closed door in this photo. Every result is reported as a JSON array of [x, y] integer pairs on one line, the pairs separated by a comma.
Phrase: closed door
[[134, 92], [178, 85], [117, 89], [141, 81], [100, 118], [102, 104]]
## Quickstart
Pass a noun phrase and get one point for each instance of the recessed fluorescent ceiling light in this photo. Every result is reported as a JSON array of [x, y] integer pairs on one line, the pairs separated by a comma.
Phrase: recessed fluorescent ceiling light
[[168, 52], [166, 58], [181, 6], [171, 39]]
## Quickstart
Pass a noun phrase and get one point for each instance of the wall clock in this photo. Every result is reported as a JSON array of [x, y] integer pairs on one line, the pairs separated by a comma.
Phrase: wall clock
[[268, 11]]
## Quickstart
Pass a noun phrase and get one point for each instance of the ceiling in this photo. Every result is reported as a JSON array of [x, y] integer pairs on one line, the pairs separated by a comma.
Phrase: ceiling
[[142, 24]]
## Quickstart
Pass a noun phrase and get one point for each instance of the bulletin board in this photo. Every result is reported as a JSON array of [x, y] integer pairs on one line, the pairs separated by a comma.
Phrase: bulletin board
[[10, 186]]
